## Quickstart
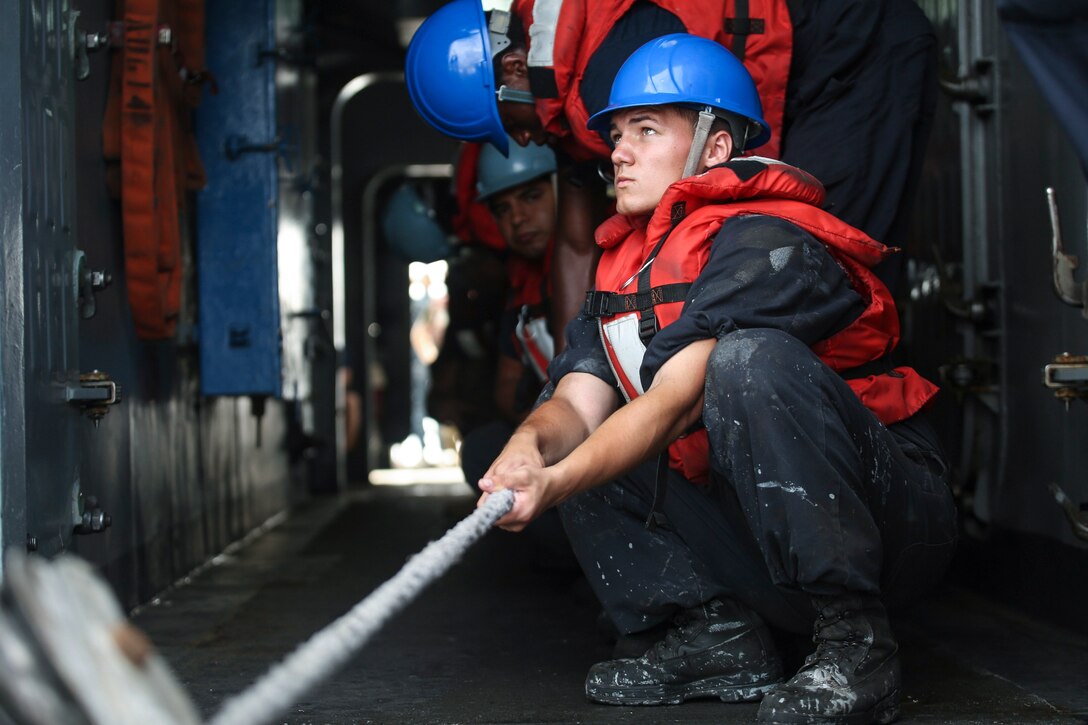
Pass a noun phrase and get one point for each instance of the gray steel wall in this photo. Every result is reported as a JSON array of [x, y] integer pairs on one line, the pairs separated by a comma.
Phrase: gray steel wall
[[993, 315], [12, 362], [181, 475]]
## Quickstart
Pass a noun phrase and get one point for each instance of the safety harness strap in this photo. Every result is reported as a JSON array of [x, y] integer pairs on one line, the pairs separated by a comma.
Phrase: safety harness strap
[[647, 324], [741, 26], [604, 304]]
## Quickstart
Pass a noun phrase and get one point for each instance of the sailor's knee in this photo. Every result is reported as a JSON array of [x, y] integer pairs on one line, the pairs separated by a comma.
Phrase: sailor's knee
[[749, 360]]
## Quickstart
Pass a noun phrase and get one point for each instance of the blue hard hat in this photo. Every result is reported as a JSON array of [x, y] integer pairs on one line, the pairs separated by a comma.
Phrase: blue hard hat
[[687, 70], [496, 173], [450, 77], [411, 230]]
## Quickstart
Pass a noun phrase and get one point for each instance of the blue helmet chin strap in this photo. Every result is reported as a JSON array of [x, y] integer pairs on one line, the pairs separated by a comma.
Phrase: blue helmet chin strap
[[506, 93], [702, 130], [497, 28]]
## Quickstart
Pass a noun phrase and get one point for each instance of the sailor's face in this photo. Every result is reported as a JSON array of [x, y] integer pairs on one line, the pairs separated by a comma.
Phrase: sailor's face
[[650, 146], [526, 216]]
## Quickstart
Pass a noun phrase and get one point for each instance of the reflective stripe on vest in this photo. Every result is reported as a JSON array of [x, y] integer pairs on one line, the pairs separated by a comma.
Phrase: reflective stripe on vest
[[625, 350], [537, 345], [542, 33]]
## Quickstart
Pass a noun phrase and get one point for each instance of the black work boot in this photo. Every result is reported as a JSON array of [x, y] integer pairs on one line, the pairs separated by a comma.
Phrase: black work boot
[[721, 649], [852, 677]]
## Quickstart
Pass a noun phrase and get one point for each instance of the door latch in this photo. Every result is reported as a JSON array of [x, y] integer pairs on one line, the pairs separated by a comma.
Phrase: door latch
[[975, 87], [92, 519], [94, 395], [1067, 376], [86, 283], [1067, 288]]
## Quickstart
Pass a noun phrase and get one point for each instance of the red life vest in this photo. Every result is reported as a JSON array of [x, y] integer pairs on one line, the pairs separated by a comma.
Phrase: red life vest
[[563, 35], [530, 284], [666, 254]]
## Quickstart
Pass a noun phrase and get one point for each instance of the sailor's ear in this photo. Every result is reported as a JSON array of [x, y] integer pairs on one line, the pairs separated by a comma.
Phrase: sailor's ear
[[718, 149], [514, 65]]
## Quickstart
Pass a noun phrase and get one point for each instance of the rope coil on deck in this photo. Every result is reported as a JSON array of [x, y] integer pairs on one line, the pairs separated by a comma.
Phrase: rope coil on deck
[[315, 659]]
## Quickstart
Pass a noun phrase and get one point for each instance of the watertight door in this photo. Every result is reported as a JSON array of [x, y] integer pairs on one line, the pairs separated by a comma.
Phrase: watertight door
[[39, 278], [985, 309]]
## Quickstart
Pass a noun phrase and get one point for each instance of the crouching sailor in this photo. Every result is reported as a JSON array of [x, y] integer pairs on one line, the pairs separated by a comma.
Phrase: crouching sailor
[[729, 447]]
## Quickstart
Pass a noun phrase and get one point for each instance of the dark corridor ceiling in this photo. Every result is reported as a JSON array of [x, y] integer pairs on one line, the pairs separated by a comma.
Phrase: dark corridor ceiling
[[352, 36]]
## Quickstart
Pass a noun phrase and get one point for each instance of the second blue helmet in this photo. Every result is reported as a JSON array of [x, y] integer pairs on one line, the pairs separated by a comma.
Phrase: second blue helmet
[[691, 71]]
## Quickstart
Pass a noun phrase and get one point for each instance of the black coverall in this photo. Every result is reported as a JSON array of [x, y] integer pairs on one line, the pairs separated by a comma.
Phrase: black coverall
[[809, 492]]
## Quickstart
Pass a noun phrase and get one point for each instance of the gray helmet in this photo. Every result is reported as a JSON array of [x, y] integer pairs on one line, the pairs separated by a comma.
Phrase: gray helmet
[[411, 229], [496, 173]]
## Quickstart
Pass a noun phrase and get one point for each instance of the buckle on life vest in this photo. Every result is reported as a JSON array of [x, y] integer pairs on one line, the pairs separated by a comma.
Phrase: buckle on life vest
[[596, 304], [647, 326]]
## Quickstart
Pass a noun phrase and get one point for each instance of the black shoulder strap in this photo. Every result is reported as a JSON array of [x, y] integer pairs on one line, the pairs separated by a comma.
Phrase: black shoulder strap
[[647, 324], [602, 304], [741, 26]]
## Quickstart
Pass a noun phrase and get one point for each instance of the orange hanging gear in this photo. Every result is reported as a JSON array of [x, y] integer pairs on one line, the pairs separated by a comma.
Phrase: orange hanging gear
[[147, 130]]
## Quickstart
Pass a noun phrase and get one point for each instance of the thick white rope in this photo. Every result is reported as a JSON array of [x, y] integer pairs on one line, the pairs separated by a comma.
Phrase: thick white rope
[[326, 651]]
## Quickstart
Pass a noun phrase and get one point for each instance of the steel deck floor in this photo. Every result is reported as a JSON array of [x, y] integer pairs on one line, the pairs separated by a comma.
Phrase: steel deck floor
[[502, 640]]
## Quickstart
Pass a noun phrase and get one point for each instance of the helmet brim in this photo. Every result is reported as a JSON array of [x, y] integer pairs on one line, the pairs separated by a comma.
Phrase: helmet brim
[[601, 120]]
